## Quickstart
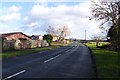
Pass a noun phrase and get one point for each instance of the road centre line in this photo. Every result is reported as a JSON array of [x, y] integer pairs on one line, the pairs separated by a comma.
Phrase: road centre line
[[67, 50], [37, 59], [72, 48], [51, 58], [25, 70], [14, 75]]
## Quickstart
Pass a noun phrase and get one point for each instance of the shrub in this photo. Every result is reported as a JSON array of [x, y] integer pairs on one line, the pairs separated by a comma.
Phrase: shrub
[[48, 38]]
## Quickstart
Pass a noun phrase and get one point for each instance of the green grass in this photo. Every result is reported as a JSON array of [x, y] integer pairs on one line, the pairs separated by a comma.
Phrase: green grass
[[106, 61], [15, 53], [101, 43]]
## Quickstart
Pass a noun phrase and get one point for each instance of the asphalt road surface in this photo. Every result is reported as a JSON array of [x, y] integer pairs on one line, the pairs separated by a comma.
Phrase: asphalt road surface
[[72, 61]]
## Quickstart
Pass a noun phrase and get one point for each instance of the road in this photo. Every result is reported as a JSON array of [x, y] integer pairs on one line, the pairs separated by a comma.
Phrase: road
[[72, 61]]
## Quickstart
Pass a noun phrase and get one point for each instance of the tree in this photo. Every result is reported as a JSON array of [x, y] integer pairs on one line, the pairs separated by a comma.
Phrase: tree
[[63, 32], [97, 39], [107, 12], [48, 38], [51, 30]]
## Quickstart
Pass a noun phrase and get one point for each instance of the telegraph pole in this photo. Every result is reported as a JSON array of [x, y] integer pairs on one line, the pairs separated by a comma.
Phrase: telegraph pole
[[85, 35]]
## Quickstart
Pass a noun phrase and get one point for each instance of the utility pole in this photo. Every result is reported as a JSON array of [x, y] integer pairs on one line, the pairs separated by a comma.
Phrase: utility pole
[[85, 35]]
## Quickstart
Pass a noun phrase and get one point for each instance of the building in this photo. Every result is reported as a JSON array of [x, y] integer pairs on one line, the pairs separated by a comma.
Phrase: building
[[66, 41], [37, 40], [15, 40], [55, 37], [15, 36], [37, 37], [19, 40]]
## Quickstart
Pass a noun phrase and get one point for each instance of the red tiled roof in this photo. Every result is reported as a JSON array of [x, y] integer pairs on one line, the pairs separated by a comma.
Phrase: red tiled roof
[[8, 34]]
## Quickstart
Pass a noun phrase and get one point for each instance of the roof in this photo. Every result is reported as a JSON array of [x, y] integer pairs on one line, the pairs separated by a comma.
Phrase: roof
[[35, 37], [8, 34]]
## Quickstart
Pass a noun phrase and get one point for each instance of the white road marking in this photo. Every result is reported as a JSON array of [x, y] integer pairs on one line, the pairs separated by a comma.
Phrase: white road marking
[[75, 48], [51, 58], [67, 51], [55, 56], [14, 75]]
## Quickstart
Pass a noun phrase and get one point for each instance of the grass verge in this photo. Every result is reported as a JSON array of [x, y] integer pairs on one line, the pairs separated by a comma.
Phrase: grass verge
[[107, 62], [15, 53]]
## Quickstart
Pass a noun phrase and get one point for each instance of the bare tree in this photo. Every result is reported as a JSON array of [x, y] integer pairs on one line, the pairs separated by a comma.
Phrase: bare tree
[[51, 30], [97, 39], [107, 13], [63, 32]]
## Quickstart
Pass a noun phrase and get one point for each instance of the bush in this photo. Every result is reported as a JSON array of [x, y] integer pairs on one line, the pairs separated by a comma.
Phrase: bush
[[8, 45], [48, 38]]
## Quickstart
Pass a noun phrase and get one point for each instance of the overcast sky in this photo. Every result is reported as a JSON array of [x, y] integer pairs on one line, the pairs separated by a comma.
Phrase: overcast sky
[[34, 17]]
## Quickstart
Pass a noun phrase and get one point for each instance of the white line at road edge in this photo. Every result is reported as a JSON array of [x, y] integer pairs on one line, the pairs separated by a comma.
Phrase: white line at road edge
[[14, 75], [52, 58]]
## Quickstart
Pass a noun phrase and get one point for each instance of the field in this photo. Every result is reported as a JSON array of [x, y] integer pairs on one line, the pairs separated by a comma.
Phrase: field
[[107, 61]]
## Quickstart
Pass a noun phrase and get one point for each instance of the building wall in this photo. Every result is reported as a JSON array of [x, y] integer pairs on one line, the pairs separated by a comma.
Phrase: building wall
[[40, 37], [16, 36], [55, 38]]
